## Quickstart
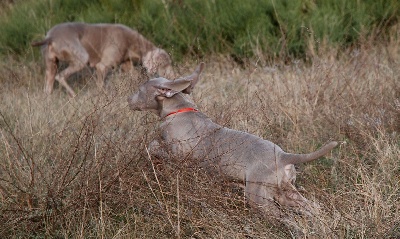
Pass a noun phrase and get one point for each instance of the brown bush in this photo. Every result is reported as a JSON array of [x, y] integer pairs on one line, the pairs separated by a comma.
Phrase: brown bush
[[79, 168]]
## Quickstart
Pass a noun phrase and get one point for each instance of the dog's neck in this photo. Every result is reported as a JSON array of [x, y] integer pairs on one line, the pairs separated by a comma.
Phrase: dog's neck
[[177, 104]]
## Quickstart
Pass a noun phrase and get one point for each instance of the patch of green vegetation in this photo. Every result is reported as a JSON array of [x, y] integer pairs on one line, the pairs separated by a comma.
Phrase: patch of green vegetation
[[240, 28]]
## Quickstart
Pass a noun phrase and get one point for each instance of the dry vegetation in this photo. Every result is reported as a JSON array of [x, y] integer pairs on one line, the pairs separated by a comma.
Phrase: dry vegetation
[[79, 168]]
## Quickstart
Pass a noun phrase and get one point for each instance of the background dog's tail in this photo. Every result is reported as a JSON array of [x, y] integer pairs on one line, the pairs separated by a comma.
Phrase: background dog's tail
[[41, 43], [304, 158]]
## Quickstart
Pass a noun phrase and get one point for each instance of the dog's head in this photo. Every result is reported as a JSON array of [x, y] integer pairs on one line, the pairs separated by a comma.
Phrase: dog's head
[[152, 93], [158, 63]]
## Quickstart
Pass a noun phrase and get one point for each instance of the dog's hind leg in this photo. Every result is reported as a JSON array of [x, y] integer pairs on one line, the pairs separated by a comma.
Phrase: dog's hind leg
[[74, 66]]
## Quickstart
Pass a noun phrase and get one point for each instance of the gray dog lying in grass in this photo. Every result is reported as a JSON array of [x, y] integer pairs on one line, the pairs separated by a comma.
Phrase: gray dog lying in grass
[[267, 171], [102, 46]]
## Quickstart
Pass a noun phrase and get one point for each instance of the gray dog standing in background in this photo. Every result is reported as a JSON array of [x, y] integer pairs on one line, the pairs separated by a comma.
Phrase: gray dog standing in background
[[101, 46]]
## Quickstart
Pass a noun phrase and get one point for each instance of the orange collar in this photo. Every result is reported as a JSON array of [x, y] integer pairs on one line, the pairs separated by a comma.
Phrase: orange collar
[[181, 111]]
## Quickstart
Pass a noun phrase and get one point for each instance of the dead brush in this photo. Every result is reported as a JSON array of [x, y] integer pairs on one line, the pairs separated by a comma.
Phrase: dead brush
[[79, 168]]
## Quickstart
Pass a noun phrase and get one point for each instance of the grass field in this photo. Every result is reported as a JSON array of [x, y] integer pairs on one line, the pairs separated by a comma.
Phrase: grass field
[[78, 168], [299, 75]]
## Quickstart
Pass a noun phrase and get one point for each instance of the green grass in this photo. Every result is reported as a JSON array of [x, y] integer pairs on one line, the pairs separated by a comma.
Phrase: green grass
[[243, 29]]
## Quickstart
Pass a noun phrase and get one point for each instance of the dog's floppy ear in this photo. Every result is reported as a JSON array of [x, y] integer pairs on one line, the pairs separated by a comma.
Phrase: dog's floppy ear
[[184, 84], [194, 78], [170, 88]]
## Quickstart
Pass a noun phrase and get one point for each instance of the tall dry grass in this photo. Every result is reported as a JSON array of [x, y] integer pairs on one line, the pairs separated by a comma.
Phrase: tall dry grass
[[78, 168]]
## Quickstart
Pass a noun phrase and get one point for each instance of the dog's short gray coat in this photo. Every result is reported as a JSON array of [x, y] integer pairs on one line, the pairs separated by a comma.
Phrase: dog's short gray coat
[[267, 171], [101, 46]]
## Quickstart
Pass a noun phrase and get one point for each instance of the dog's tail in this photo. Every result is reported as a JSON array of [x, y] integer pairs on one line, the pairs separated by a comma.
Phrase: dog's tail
[[41, 43], [304, 158]]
